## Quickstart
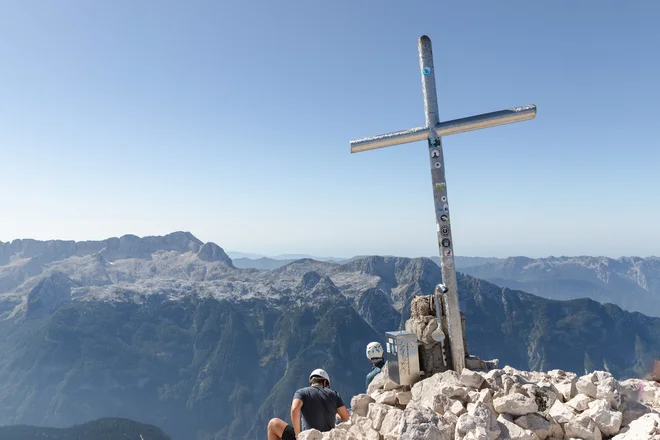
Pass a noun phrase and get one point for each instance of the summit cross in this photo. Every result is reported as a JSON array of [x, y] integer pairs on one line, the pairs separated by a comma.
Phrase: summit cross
[[432, 132]]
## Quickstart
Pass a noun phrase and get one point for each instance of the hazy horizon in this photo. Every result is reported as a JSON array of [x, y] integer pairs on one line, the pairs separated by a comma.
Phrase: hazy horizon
[[233, 120], [281, 255]]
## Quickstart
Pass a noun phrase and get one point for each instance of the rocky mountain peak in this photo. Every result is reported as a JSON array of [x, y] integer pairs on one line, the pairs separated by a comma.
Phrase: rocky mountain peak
[[212, 252], [50, 293], [309, 280], [503, 404]]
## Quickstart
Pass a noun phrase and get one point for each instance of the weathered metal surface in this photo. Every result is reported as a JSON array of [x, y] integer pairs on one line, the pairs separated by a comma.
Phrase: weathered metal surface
[[456, 126]]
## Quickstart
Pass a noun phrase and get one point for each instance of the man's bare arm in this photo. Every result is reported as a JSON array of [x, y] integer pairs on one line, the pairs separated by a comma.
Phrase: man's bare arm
[[343, 413], [295, 415]]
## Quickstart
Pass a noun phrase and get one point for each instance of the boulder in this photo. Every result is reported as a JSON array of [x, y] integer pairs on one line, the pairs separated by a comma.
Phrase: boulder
[[607, 419], [435, 391], [585, 386], [310, 434], [582, 427], [391, 385], [504, 404], [579, 402], [339, 434], [561, 412], [456, 407], [471, 379], [494, 379], [478, 423], [403, 397], [377, 413], [646, 427], [362, 428], [515, 404], [535, 423], [608, 389], [391, 422], [387, 398], [509, 430], [360, 404], [420, 422]]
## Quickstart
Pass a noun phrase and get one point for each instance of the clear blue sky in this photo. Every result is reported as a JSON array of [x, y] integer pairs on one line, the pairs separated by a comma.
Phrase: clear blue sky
[[232, 120]]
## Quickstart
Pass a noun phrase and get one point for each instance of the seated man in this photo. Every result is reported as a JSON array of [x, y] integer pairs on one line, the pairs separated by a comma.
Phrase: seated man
[[319, 405], [375, 354]]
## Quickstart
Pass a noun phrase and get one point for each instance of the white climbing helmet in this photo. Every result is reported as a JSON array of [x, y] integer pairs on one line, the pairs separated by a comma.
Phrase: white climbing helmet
[[320, 373], [374, 350]]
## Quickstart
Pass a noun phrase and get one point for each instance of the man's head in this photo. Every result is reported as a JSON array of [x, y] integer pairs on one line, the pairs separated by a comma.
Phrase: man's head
[[375, 352], [319, 377]]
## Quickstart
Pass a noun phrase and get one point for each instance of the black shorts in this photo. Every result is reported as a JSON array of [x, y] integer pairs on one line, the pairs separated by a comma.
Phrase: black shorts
[[289, 433]]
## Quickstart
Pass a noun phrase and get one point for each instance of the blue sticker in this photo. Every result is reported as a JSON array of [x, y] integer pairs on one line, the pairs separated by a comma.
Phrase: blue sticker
[[427, 71]]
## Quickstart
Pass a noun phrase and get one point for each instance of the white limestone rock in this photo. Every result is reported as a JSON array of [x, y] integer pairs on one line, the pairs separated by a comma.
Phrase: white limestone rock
[[363, 430], [561, 412], [515, 404], [608, 389], [310, 434], [579, 402], [456, 407], [420, 422], [494, 379], [391, 423], [646, 427], [391, 385], [509, 430], [585, 386], [478, 423], [339, 434], [377, 413], [607, 419], [471, 379], [403, 397], [387, 398], [435, 391], [536, 423], [486, 397], [360, 404], [583, 427], [565, 383]]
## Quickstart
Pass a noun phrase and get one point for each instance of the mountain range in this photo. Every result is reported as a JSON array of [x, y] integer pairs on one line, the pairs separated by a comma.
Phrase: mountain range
[[254, 261], [168, 331], [632, 283], [102, 429]]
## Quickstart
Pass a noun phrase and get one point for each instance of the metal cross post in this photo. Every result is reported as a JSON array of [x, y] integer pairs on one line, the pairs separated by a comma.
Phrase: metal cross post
[[432, 132]]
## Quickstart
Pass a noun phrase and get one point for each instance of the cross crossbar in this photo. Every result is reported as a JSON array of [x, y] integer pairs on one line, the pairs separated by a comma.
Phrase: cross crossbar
[[432, 132], [456, 126]]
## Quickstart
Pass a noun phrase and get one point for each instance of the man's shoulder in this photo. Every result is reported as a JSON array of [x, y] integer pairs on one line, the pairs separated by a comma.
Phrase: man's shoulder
[[303, 391]]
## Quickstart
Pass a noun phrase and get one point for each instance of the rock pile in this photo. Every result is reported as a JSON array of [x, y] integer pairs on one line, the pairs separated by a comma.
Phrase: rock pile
[[503, 404]]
